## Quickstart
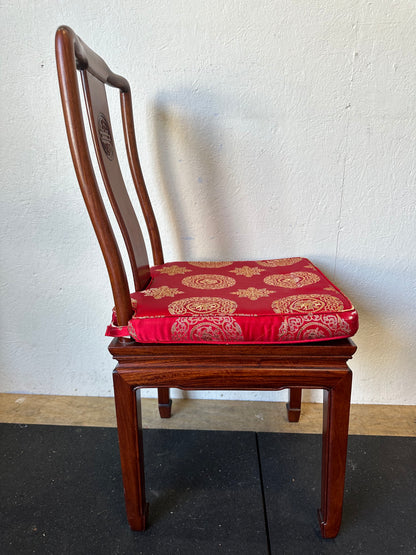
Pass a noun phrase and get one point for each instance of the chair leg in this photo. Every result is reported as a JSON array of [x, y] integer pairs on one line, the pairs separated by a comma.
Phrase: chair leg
[[165, 403], [294, 404], [334, 454], [130, 439]]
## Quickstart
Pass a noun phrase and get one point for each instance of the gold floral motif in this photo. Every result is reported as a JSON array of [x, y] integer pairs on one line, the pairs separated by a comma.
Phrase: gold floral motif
[[292, 280], [307, 303], [208, 281], [203, 305], [131, 330], [161, 292], [279, 262], [252, 293], [173, 270], [247, 271], [210, 264], [216, 329], [313, 326]]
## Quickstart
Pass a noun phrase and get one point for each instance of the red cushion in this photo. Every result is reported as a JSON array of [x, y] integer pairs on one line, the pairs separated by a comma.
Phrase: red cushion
[[269, 301]]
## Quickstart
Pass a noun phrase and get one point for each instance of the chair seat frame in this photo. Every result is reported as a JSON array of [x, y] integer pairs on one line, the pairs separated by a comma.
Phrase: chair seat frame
[[320, 365]]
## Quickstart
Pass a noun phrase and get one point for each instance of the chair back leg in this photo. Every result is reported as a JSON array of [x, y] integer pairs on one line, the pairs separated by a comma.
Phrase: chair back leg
[[165, 403], [294, 404]]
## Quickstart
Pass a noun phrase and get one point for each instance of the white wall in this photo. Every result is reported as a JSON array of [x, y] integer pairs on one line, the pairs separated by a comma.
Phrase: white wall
[[267, 129]]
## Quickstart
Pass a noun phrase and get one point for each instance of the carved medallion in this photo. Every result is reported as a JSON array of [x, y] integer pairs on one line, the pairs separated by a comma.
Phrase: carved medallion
[[104, 132]]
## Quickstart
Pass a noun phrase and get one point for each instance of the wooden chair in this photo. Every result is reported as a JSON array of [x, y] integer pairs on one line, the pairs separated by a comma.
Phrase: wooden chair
[[304, 343]]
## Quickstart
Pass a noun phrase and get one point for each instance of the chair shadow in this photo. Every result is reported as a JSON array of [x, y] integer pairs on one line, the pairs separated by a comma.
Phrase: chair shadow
[[188, 147]]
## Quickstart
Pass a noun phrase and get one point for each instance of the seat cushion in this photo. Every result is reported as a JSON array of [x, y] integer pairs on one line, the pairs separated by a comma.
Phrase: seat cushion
[[287, 300]]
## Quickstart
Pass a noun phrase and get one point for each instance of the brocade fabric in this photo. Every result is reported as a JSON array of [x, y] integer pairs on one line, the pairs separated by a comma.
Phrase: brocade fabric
[[285, 300]]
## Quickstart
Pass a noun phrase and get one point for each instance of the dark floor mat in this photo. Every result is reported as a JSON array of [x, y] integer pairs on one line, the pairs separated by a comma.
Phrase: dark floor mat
[[380, 495], [61, 493]]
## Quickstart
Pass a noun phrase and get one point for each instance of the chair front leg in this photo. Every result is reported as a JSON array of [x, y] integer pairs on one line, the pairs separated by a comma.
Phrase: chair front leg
[[165, 403], [334, 455], [130, 437], [294, 404]]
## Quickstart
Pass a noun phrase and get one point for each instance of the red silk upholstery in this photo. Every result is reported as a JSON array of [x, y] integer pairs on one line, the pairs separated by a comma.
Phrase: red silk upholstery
[[270, 301]]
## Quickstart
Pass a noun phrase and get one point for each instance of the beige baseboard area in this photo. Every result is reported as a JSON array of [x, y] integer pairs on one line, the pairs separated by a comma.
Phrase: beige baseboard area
[[392, 420]]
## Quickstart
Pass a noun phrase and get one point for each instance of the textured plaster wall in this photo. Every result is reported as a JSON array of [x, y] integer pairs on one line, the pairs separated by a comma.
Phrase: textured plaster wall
[[266, 129]]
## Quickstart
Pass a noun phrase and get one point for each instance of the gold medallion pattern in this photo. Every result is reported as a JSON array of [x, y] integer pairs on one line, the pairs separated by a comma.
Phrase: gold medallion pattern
[[208, 281], [247, 271], [307, 303], [161, 292], [268, 301], [279, 262], [173, 270], [210, 264], [215, 329], [252, 293], [309, 327], [292, 280], [203, 305]]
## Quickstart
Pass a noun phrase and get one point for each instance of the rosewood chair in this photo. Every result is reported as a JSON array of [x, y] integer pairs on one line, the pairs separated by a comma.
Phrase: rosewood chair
[[252, 325]]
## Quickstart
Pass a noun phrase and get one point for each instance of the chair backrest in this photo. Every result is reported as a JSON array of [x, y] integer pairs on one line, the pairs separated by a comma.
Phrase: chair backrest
[[73, 55]]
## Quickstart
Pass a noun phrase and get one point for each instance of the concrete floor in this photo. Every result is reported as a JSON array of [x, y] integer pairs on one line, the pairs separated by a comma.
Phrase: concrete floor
[[197, 414]]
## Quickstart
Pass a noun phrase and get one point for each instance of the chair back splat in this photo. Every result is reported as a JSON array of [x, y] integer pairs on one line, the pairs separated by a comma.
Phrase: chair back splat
[[254, 325], [73, 54]]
